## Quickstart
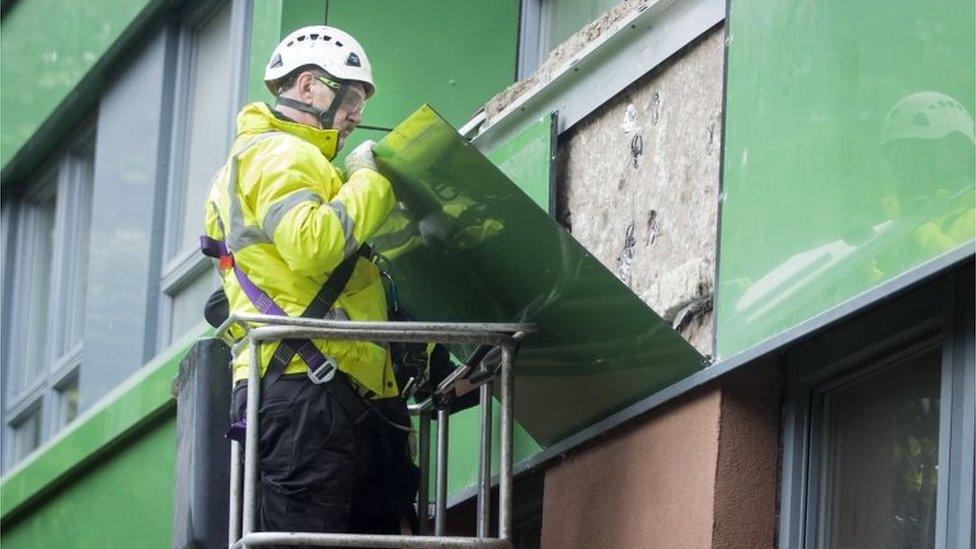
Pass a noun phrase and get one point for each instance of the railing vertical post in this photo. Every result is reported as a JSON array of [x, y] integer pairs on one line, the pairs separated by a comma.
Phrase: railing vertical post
[[507, 429], [423, 459], [484, 463], [440, 514], [234, 526], [251, 440]]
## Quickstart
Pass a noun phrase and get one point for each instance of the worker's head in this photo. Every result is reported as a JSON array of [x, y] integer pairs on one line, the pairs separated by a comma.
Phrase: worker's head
[[321, 77]]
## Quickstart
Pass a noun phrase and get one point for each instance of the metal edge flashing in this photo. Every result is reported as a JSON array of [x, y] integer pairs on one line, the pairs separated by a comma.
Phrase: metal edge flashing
[[861, 303], [121, 414], [604, 68], [75, 105], [721, 176]]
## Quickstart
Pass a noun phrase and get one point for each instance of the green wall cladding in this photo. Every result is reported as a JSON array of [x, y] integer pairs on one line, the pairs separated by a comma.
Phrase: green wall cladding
[[527, 160], [48, 46], [272, 20], [849, 153], [454, 54], [124, 502]]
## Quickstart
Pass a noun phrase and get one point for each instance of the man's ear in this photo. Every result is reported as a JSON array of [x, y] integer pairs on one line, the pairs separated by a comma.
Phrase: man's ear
[[304, 84]]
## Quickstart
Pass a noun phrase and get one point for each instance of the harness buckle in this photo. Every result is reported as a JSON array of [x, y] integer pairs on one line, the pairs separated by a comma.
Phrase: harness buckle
[[225, 262], [325, 372]]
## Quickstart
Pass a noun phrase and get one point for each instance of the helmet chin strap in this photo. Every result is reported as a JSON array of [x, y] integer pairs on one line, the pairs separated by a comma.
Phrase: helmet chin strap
[[325, 117]]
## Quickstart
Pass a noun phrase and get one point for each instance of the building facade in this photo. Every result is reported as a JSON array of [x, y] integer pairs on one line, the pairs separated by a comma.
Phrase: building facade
[[789, 185]]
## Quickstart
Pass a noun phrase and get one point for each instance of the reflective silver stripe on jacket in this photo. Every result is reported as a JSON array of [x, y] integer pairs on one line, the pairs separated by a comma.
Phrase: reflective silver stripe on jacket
[[277, 211], [239, 235], [347, 227]]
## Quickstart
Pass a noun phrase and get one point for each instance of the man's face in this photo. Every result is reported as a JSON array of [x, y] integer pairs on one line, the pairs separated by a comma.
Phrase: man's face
[[350, 111]]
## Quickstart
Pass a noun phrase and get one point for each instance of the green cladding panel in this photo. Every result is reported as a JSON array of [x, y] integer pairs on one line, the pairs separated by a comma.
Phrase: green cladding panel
[[468, 245], [124, 501], [849, 153], [527, 159], [456, 53]]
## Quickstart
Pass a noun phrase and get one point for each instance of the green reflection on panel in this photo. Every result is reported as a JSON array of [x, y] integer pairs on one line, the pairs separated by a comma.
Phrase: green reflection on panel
[[849, 153], [527, 160], [469, 246]]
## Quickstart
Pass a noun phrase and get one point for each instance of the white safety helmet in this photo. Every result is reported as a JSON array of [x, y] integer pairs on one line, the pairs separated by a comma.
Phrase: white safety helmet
[[332, 50]]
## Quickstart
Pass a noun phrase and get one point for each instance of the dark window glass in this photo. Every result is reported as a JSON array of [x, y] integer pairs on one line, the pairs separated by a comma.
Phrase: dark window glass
[[881, 455]]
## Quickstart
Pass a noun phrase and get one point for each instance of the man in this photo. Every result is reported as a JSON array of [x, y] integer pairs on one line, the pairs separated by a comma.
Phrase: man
[[287, 227]]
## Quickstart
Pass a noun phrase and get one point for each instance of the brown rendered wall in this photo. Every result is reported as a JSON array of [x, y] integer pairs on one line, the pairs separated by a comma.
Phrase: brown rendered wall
[[700, 472], [647, 484], [747, 469]]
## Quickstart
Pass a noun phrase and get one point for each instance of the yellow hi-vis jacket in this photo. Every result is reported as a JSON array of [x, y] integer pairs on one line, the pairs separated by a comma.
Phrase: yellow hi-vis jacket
[[290, 221]]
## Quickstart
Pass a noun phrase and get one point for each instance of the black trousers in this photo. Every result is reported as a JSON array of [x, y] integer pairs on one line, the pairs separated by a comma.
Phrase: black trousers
[[320, 472]]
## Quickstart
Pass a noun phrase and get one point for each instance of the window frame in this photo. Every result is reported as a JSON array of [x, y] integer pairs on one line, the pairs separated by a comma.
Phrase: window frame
[[66, 180], [908, 325], [181, 266], [18, 394]]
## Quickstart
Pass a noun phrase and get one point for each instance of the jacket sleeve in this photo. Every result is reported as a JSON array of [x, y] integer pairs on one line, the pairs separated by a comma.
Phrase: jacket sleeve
[[312, 232]]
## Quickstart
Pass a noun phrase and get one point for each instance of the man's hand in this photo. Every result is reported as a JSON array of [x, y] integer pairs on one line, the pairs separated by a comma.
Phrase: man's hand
[[361, 157]]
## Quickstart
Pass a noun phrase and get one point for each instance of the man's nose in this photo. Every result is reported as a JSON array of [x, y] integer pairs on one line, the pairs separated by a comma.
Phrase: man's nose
[[355, 117]]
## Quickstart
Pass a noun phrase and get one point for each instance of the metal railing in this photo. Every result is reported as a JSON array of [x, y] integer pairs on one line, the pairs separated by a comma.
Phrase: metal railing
[[261, 329]]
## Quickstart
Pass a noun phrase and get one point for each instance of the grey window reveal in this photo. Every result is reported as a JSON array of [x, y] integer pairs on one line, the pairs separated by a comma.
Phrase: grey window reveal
[[545, 24], [207, 97]]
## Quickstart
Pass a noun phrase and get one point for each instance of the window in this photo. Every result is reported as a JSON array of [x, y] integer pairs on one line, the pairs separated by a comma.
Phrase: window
[[879, 462], [30, 267], [66, 401], [26, 435], [878, 451], [548, 23], [207, 98], [45, 244]]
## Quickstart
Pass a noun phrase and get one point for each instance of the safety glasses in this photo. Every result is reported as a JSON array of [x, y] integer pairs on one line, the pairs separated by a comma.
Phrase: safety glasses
[[353, 102]]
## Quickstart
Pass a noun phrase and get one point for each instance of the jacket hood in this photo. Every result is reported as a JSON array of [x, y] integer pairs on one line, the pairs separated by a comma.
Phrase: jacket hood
[[257, 118]]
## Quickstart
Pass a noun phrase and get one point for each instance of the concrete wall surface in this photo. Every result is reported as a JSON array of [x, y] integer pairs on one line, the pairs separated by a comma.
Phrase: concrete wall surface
[[638, 185]]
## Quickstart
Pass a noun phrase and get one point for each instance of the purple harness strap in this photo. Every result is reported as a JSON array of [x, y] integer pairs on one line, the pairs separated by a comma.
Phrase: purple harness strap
[[302, 347]]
